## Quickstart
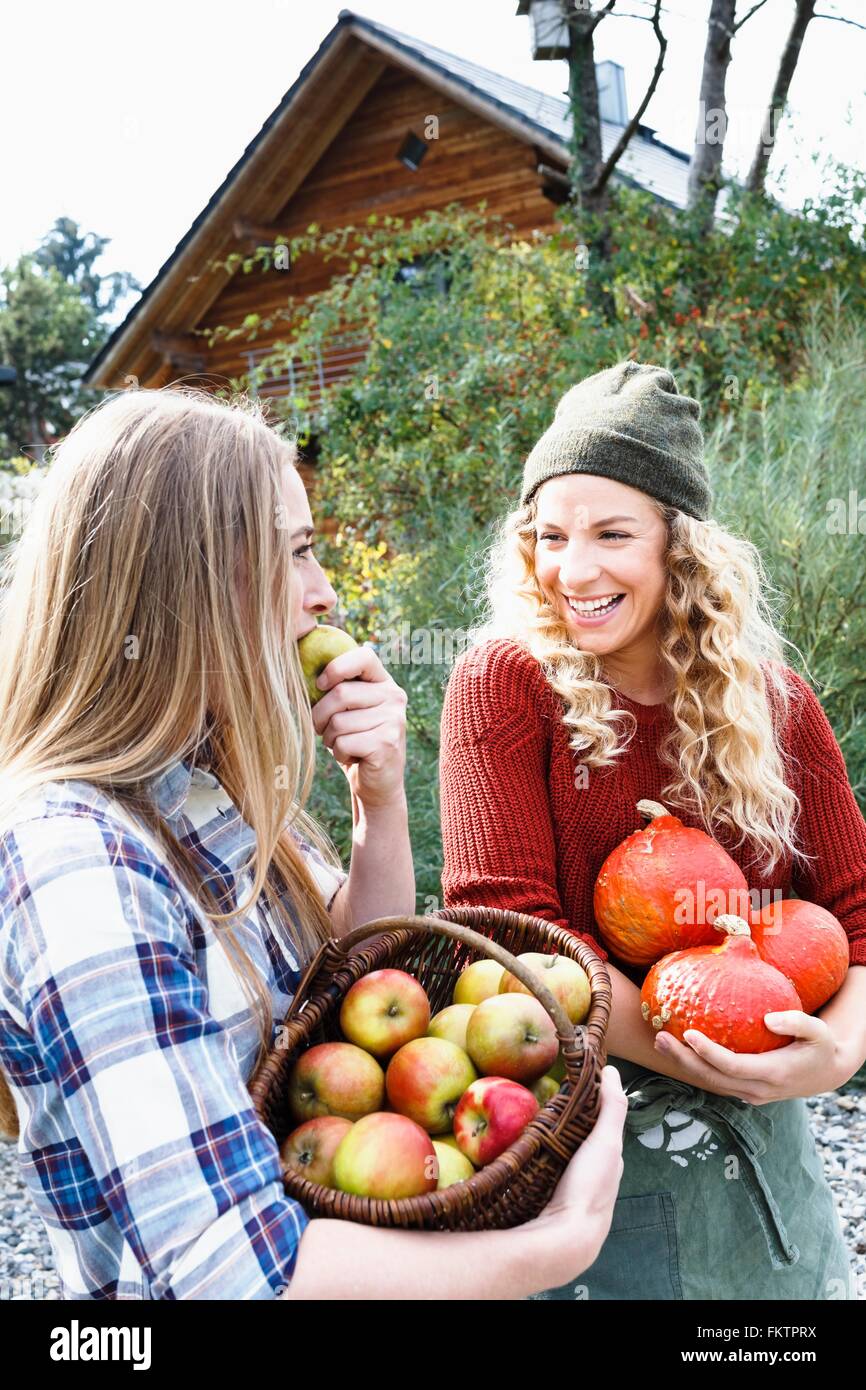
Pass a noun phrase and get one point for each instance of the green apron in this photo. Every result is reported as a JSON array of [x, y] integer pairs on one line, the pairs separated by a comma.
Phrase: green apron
[[719, 1200]]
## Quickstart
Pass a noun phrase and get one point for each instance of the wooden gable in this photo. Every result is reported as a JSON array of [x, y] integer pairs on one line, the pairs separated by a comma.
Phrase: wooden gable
[[359, 174]]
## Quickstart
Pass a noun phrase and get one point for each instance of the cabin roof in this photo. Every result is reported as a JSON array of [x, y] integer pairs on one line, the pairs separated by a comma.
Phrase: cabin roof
[[533, 116], [656, 166]]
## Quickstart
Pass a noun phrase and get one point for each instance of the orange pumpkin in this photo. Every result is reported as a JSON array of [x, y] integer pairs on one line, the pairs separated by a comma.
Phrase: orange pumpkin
[[723, 991], [660, 890], [807, 944]]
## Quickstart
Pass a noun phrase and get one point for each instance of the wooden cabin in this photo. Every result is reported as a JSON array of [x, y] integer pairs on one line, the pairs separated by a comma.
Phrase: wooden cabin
[[351, 137]]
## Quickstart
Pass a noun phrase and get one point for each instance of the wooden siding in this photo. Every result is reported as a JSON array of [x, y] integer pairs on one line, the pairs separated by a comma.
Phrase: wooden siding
[[360, 173]]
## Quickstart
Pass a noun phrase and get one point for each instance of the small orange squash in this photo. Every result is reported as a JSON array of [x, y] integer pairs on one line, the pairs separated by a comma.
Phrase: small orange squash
[[660, 890], [723, 991], [807, 943]]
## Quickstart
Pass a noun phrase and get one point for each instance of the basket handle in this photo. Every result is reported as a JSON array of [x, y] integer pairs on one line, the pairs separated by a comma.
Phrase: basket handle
[[439, 927]]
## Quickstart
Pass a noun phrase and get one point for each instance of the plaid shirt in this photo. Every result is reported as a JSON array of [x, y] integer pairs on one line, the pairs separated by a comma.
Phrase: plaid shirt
[[128, 1041]]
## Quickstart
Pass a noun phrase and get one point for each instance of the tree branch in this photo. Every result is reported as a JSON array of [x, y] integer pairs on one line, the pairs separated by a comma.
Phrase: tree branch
[[746, 17], [621, 144], [803, 15], [624, 14], [840, 19], [600, 16]]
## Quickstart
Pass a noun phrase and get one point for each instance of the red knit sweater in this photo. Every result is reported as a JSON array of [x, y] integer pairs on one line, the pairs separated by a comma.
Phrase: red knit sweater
[[519, 833]]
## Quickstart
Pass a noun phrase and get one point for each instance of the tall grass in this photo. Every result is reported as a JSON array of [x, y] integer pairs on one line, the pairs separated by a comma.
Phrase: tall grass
[[789, 474]]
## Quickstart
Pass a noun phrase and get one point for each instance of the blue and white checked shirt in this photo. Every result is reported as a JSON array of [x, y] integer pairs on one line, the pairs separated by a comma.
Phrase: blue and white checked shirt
[[128, 1043]]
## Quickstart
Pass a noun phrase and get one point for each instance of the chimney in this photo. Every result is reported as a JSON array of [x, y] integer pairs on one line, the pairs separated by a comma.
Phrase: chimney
[[611, 93]]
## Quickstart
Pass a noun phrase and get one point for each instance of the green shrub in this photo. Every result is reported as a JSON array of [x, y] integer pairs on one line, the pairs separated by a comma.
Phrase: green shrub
[[423, 447]]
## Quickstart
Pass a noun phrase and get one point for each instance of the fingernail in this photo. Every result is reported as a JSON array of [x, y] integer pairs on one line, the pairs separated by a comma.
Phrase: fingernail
[[662, 1044]]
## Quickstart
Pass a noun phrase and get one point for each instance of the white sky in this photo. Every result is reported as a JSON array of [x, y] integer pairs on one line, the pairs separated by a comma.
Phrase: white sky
[[127, 117]]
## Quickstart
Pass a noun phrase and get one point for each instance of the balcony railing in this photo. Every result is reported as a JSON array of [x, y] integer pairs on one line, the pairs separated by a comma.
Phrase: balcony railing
[[331, 362]]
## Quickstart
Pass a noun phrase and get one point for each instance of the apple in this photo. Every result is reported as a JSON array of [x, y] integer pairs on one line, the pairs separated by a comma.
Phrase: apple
[[309, 1150], [478, 981], [557, 1071], [564, 978], [512, 1035], [454, 1166], [426, 1079], [451, 1024], [386, 1156], [319, 647], [544, 1088], [490, 1116], [384, 1010], [335, 1079], [449, 1141]]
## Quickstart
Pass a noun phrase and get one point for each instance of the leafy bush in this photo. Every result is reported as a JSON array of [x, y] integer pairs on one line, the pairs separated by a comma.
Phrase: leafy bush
[[423, 447]]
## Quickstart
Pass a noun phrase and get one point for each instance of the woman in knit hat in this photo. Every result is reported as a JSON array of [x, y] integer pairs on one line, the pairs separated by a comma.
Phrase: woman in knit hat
[[629, 653]]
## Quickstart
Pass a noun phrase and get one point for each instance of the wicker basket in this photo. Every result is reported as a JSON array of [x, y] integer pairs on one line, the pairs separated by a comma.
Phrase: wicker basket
[[517, 1185]]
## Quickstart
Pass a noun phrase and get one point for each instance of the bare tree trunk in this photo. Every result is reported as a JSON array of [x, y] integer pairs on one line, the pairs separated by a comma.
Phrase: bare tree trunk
[[706, 166], [590, 172], [583, 100], [586, 151], [787, 66]]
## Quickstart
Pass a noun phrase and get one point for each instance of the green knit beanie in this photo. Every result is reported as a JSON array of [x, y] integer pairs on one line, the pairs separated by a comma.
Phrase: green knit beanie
[[629, 423]]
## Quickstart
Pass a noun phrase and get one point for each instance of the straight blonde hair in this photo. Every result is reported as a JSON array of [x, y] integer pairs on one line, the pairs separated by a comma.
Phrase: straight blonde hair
[[157, 556]]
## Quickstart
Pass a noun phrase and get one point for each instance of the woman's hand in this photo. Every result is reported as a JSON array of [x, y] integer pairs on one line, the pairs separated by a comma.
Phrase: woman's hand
[[362, 721], [815, 1062], [574, 1225]]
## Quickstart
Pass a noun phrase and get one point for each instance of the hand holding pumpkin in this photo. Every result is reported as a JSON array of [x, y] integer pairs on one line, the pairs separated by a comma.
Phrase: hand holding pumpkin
[[814, 1062], [736, 1015]]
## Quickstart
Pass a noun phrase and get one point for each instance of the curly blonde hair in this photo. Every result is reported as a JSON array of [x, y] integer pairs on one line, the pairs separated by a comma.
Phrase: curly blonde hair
[[719, 642]]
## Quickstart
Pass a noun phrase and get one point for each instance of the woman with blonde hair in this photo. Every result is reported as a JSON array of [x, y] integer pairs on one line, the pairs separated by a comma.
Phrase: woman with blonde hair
[[628, 652], [162, 887]]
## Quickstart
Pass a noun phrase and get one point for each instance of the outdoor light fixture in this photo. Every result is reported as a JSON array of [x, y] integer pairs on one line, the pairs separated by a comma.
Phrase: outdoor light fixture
[[412, 151], [549, 27]]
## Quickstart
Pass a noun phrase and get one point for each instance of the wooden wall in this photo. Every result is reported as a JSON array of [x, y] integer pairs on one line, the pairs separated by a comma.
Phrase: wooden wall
[[471, 160], [360, 173]]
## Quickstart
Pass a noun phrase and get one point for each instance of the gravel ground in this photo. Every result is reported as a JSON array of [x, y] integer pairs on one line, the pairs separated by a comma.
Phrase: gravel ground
[[838, 1123], [26, 1263]]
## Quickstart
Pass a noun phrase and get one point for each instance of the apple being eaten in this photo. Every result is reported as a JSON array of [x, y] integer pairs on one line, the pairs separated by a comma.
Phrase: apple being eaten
[[490, 1116], [319, 647], [384, 1010]]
